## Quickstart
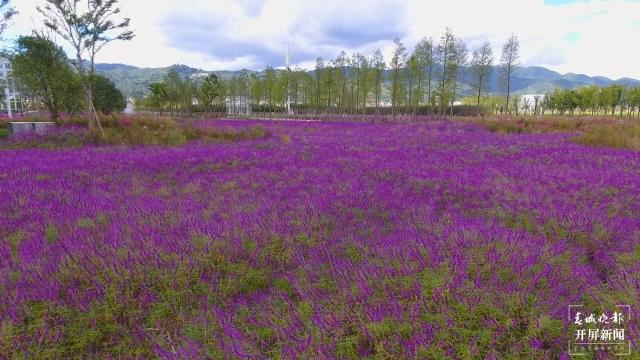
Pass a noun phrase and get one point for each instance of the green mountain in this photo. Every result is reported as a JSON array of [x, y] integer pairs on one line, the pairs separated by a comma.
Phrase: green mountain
[[134, 81]]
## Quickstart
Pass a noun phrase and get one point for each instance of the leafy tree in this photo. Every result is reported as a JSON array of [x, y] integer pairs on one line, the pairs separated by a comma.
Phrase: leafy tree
[[424, 58], [635, 99], [158, 96], [398, 62], [412, 79], [460, 54], [510, 60], [481, 66], [341, 64], [174, 84], [87, 27], [330, 82], [188, 92], [72, 102], [106, 97], [588, 98], [42, 68], [270, 78], [281, 90], [610, 97], [626, 101], [209, 90], [308, 86], [446, 55]]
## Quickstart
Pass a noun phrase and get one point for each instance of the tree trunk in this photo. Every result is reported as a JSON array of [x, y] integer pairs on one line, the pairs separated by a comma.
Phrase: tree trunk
[[419, 89], [444, 78], [453, 94], [377, 92], [508, 86], [479, 90], [429, 88], [318, 94], [88, 97]]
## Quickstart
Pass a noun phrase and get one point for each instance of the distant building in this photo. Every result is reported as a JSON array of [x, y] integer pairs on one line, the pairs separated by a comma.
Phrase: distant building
[[238, 105], [131, 106], [12, 101], [530, 103]]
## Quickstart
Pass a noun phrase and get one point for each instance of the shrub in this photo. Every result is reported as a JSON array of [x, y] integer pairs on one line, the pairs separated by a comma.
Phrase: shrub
[[133, 130], [624, 135], [547, 124]]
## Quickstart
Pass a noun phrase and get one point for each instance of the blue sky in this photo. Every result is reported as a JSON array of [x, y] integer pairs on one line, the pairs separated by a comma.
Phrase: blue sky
[[563, 35]]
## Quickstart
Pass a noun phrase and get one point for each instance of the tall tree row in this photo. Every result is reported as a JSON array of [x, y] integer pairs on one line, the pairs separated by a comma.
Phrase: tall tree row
[[426, 80], [590, 100]]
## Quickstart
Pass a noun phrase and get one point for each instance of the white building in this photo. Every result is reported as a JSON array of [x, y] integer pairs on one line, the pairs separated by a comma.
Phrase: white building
[[530, 103], [131, 106], [12, 102], [238, 105]]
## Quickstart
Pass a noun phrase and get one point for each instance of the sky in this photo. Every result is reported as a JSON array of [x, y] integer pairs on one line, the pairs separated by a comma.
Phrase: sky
[[593, 37]]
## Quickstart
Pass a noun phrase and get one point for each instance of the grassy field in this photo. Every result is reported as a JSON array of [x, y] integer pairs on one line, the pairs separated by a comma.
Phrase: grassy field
[[594, 131], [142, 130]]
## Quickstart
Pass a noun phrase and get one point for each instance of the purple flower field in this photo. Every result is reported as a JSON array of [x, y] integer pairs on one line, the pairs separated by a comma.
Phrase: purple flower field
[[324, 240]]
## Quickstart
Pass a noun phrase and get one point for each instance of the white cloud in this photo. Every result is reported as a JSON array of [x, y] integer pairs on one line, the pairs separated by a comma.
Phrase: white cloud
[[223, 34]]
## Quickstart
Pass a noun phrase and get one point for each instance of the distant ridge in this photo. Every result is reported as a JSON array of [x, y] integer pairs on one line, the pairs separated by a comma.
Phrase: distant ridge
[[134, 81]]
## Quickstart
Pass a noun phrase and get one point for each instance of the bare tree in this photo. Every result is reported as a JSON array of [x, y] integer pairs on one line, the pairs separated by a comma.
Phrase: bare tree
[[460, 54], [510, 61], [87, 28], [481, 68]]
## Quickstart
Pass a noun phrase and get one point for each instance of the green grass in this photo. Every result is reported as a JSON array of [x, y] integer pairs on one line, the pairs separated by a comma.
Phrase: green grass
[[592, 131], [4, 133], [154, 130], [533, 124], [620, 136], [136, 130]]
